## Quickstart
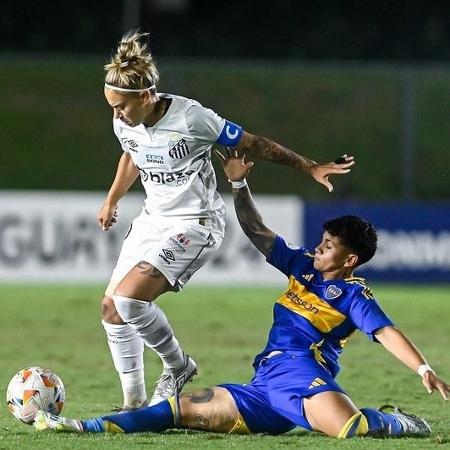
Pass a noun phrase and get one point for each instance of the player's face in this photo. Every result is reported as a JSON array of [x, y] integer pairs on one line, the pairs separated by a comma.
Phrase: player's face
[[130, 109], [331, 258]]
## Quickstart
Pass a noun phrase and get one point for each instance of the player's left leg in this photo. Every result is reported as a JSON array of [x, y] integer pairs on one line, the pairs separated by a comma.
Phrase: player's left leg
[[330, 411], [334, 414], [209, 409]]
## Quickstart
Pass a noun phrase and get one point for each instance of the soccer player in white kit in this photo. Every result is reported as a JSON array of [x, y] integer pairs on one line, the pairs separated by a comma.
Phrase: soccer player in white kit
[[167, 140]]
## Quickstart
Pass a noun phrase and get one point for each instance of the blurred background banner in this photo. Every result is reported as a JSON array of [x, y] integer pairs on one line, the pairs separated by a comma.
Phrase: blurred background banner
[[53, 237], [323, 78], [413, 239]]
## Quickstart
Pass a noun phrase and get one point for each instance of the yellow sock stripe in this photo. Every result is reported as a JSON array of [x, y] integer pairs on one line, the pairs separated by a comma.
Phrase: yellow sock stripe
[[240, 427], [110, 427], [357, 425], [175, 407], [173, 404]]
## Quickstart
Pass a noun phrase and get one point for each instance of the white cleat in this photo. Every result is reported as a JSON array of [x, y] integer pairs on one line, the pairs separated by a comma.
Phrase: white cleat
[[128, 408], [412, 425], [46, 421], [172, 382]]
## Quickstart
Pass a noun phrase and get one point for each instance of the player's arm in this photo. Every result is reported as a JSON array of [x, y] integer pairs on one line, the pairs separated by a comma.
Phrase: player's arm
[[126, 175], [249, 218], [263, 148], [404, 350]]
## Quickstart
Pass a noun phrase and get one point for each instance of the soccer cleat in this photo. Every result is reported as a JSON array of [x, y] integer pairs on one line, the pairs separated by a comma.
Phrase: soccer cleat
[[127, 408], [46, 421], [172, 382], [412, 425]]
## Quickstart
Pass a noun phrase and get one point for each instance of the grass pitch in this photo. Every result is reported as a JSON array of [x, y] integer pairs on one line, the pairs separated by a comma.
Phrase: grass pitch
[[223, 328]]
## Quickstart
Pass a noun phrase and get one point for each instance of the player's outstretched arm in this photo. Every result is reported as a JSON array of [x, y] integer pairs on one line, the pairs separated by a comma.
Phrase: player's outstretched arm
[[126, 175], [404, 350], [251, 222], [263, 148]]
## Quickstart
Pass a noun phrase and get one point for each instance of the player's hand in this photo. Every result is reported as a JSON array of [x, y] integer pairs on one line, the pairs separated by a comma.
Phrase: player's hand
[[107, 216], [234, 166], [432, 382], [321, 172]]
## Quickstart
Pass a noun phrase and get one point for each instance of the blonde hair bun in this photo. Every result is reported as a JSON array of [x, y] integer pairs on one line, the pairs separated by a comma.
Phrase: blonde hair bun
[[132, 67]]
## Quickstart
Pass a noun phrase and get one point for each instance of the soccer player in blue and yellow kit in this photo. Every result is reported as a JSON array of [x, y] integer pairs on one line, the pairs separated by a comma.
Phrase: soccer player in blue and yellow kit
[[294, 382]]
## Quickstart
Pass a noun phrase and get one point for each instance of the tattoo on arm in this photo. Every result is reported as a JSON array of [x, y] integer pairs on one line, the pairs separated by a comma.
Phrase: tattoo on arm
[[263, 148], [251, 221]]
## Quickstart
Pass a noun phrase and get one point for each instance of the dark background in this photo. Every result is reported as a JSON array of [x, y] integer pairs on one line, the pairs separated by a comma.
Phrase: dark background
[[324, 78], [284, 29]]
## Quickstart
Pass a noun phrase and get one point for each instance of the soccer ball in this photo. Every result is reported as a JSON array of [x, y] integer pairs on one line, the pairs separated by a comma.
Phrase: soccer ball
[[32, 389]]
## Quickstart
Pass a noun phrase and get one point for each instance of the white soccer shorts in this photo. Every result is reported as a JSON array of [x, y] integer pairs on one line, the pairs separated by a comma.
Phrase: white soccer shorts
[[176, 247]]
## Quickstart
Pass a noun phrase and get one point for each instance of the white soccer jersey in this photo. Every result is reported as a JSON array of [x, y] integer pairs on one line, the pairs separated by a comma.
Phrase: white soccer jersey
[[174, 157]]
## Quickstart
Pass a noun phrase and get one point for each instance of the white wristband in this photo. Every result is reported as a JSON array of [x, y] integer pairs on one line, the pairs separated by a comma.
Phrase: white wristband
[[424, 368], [239, 184]]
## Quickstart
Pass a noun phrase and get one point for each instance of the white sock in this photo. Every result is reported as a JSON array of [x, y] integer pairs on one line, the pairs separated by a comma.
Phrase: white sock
[[133, 388], [127, 351], [151, 324]]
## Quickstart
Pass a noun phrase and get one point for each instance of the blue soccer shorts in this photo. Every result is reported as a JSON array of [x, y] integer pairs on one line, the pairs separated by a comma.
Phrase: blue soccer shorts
[[273, 401]]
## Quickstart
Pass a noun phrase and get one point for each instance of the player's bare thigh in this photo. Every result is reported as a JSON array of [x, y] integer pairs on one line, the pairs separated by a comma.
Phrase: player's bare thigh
[[143, 282], [329, 411], [211, 409]]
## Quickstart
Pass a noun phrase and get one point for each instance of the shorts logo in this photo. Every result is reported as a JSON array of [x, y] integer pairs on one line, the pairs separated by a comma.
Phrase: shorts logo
[[179, 242], [316, 383], [167, 256], [332, 292], [178, 150], [229, 134]]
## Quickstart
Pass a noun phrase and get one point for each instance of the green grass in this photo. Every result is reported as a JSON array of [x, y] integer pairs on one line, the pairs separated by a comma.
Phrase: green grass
[[223, 328]]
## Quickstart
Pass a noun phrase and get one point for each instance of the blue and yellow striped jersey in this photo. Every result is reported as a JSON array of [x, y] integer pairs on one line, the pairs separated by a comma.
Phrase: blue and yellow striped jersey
[[316, 315]]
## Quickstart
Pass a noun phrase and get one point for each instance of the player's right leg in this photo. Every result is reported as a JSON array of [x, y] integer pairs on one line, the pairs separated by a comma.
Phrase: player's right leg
[[334, 414], [138, 322], [210, 409], [127, 350]]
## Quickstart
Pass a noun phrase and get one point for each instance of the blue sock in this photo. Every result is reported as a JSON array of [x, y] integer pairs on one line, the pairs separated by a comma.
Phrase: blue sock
[[155, 418], [382, 424]]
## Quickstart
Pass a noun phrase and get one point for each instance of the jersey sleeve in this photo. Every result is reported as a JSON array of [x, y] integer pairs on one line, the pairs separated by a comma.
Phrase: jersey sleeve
[[206, 125], [288, 258], [123, 142], [367, 314]]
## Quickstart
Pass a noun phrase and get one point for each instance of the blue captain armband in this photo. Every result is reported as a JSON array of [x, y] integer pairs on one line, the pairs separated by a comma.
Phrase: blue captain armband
[[230, 135]]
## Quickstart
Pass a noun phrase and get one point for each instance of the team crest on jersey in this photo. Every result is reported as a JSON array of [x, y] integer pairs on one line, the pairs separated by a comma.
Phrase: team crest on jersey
[[179, 242], [178, 150], [332, 292]]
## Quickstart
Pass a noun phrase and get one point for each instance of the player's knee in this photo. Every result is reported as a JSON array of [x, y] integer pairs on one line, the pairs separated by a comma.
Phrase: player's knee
[[109, 312], [357, 425]]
